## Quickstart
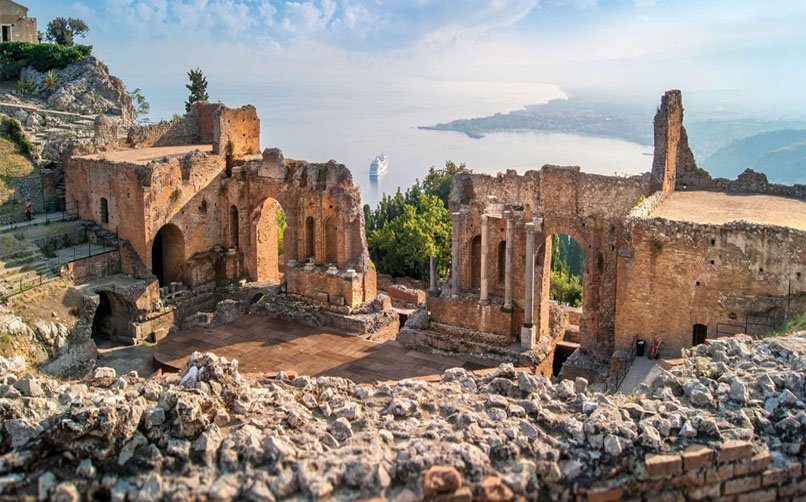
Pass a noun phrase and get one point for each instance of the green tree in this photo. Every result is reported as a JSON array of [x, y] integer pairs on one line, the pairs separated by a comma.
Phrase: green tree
[[439, 182], [197, 88], [403, 245], [282, 223], [141, 105], [63, 31], [566, 257]]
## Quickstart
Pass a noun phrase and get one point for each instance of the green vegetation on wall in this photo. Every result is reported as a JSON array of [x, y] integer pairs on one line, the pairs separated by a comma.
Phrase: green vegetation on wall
[[42, 57]]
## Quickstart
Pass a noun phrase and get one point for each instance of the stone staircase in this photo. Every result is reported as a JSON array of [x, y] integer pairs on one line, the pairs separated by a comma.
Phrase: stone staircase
[[24, 268], [449, 340]]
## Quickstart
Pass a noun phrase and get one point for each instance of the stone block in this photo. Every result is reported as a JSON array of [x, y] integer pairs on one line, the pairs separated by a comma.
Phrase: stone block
[[734, 449], [382, 302], [663, 466], [742, 485], [605, 494], [704, 492], [774, 476], [337, 300], [768, 495], [441, 479], [697, 456], [795, 469], [322, 297], [403, 294], [792, 489]]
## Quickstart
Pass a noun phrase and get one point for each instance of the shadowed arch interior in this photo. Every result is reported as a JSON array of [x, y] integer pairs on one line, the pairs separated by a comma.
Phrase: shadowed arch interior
[[168, 255]]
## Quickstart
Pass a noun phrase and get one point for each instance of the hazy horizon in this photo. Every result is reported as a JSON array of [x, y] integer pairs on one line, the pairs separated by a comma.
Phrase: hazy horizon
[[740, 53]]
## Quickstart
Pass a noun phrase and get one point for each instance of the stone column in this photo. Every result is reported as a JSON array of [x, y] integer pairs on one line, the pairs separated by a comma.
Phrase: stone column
[[432, 268], [508, 266], [528, 330], [455, 254], [484, 293]]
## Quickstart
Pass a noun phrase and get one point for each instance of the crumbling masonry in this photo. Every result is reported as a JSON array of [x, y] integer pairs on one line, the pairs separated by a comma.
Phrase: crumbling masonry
[[197, 203], [679, 277]]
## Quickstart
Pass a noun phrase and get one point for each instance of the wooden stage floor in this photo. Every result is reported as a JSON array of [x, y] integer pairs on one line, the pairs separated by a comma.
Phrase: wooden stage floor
[[264, 345]]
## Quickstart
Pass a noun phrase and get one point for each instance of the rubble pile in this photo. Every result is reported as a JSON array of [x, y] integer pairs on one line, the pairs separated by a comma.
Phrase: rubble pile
[[735, 406]]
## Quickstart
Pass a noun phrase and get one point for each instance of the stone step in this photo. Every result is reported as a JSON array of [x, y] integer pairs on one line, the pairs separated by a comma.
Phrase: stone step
[[488, 339], [442, 343]]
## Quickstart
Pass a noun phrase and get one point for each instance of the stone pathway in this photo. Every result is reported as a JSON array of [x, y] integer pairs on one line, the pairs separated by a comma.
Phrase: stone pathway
[[643, 370], [264, 345]]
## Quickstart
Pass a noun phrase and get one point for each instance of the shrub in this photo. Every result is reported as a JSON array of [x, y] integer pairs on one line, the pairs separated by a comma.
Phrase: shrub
[[26, 86], [15, 132], [50, 81], [41, 57]]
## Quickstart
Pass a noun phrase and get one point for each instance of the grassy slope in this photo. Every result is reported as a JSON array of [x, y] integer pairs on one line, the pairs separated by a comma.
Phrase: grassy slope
[[12, 165]]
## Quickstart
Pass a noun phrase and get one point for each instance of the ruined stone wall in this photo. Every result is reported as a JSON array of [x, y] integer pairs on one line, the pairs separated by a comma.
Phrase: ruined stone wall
[[590, 208], [196, 127], [89, 182], [678, 274], [675, 168], [236, 132]]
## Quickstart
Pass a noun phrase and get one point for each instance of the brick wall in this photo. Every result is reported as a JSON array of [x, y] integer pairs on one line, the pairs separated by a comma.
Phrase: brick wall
[[733, 470], [679, 274]]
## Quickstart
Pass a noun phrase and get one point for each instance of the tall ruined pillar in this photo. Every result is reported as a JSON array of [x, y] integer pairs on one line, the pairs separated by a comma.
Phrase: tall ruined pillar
[[528, 330], [455, 254], [484, 293], [508, 265]]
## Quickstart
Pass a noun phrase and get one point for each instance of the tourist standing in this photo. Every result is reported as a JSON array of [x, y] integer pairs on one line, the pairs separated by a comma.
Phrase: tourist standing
[[29, 210]]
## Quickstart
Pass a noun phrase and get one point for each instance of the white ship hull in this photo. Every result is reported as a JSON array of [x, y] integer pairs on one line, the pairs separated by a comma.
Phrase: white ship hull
[[379, 166]]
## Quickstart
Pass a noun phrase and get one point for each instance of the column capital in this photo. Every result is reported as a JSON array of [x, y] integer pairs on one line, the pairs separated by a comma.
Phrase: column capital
[[538, 223], [507, 214], [530, 228], [456, 215], [484, 218]]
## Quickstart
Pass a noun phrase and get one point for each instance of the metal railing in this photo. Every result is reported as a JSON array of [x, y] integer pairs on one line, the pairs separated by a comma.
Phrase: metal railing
[[107, 246], [19, 219]]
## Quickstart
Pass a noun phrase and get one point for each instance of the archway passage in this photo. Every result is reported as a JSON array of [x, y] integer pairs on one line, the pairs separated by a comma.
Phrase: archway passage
[[112, 320], [567, 268], [268, 232], [168, 255]]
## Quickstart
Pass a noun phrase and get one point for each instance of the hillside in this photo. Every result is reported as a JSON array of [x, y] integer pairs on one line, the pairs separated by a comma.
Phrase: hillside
[[779, 154]]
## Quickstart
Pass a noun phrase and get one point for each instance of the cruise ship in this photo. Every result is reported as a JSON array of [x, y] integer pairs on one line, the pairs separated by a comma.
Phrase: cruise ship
[[379, 165]]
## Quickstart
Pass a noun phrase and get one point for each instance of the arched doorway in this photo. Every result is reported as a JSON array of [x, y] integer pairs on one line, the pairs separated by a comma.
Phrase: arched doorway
[[112, 320], [168, 255], [232, 227], [268, 239]]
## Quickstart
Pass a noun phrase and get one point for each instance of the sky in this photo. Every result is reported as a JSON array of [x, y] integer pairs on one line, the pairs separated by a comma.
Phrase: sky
[[741, 50]]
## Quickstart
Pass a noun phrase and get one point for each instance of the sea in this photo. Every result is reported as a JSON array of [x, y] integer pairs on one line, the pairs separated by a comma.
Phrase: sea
[[352, 123]]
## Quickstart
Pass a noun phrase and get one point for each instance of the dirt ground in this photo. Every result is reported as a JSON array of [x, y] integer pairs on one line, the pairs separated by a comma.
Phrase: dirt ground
[[719, 208], [145, 155]]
